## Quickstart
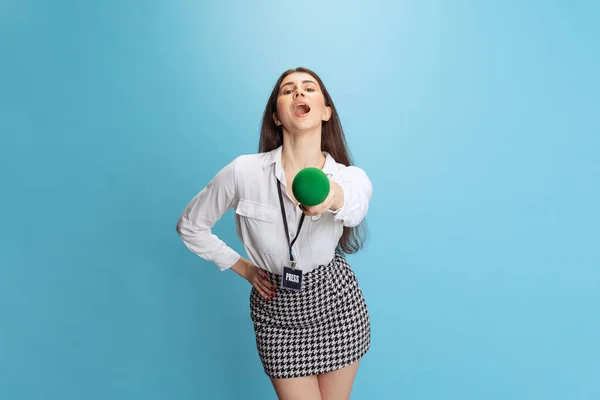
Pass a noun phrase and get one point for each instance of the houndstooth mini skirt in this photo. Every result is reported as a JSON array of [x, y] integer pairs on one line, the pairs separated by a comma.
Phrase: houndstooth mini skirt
[[324, 327]]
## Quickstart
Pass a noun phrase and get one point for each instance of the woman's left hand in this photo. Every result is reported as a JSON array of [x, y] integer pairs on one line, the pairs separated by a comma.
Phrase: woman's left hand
[[334, 201]]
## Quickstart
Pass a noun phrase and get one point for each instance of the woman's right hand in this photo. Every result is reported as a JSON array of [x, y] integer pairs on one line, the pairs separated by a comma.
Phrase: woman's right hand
[[256, 276]]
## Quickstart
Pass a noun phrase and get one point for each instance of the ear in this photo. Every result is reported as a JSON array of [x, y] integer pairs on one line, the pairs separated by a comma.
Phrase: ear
[[327, 114], [276, 120]]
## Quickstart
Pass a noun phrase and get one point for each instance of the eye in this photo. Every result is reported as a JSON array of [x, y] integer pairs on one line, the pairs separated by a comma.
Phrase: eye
[[310, 89], [287, 91]]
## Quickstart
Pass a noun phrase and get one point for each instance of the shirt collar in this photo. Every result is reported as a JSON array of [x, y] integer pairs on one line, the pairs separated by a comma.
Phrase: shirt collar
[[274, 157]]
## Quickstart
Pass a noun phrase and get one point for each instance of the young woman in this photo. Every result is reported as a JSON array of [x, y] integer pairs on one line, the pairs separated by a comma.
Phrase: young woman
[[310, 319]]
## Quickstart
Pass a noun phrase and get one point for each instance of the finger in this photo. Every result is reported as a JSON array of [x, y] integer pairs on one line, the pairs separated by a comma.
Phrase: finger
[[261, 291], [326, 205], [316, 210], [320, 208], [267, 282], [264, 276], [310, 210], [266, 287]]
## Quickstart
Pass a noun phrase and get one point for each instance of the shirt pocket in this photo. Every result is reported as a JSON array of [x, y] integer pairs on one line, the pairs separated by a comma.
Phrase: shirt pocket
[[257, 223]]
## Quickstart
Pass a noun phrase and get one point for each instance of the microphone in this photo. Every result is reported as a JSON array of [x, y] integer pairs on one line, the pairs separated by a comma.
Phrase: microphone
[[310, 186]]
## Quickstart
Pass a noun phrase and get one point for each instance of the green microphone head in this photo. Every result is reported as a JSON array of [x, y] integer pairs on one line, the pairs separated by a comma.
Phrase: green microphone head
[[310, 186]]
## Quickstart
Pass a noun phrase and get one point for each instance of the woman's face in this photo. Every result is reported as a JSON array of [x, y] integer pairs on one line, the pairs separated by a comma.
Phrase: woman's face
[[300, 103]]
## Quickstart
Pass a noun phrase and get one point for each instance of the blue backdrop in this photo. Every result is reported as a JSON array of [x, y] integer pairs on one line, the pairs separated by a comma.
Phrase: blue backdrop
[[476, 121]]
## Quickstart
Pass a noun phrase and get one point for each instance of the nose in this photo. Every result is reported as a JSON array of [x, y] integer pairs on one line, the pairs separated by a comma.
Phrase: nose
[[298, 93]]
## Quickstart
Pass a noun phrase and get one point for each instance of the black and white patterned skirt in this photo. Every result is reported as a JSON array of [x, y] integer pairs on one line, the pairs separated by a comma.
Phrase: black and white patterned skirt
[[324, 327]]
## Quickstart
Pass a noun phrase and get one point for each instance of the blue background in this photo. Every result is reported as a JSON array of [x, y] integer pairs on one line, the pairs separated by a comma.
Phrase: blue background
[[476, 121]]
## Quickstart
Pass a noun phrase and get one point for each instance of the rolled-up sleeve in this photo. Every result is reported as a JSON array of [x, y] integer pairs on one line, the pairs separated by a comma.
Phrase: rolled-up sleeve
[[201, 214], [358, 191]]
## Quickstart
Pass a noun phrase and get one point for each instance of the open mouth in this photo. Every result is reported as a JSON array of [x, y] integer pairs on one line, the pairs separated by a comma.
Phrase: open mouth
[[300, 110]]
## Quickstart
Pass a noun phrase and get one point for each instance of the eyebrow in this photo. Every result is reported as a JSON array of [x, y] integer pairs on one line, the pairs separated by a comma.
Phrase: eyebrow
[[291, 83]]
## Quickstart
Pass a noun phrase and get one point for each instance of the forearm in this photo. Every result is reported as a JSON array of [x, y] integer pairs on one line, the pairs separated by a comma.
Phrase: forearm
[[201, 241], [338, 197], [241, 267], [352, 194]]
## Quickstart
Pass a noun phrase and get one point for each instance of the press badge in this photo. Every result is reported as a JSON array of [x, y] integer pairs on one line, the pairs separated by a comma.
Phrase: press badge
[[291, 279]]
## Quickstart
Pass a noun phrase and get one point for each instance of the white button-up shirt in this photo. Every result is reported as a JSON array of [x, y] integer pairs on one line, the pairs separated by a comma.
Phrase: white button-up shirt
[[249, 185]]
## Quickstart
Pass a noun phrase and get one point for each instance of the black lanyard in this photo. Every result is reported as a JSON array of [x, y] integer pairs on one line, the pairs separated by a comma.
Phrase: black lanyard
[[285, 225]]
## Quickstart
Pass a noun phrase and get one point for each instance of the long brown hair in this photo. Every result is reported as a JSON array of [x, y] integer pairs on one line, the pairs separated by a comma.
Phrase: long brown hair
[[333, 142]]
